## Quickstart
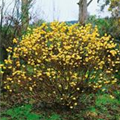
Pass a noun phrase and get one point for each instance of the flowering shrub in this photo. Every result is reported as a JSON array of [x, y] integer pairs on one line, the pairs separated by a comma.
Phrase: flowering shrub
[[59, 63]]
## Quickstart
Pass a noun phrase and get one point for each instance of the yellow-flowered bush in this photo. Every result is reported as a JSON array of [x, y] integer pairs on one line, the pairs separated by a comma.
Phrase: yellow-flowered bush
[[59, 63]]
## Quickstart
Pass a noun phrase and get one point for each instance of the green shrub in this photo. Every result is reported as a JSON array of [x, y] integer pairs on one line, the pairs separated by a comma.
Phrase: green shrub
[[106, 25], [59, 63]]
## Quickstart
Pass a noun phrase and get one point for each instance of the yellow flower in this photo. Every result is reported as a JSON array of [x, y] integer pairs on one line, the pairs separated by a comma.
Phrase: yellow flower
[[78, 88], [112, 96], [74, 98], [75, 104], [15, 41], [114, 81], [30, 88], [71, 107]]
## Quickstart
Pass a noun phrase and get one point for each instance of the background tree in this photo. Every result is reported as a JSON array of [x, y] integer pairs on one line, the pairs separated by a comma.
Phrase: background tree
[[25, 13], [83, 14], [114, 20], [1, 24], [14, 20], [114, 7]]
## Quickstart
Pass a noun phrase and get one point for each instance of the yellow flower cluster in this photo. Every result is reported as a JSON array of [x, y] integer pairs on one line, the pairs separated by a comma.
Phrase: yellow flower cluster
[[1, 71], [61, 62]]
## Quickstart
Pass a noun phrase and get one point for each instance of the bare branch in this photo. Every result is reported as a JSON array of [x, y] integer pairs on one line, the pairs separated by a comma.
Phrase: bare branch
[[98, 1], [89, 2]]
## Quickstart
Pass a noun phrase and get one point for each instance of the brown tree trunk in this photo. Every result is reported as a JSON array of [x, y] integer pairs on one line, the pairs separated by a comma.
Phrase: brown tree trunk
[[82, 11], [25, 14]]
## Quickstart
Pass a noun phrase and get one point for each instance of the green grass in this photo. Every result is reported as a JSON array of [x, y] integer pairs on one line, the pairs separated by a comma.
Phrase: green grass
[[25, 113], [103, 108]]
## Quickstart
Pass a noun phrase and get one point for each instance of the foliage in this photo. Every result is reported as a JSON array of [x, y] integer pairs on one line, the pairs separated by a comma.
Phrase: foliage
[[20, 113], [106, 25], [9, 31], [115, 7], [55, 64], [25, 112], [37, 23], [105, 106], [102, 24], [114, 21]]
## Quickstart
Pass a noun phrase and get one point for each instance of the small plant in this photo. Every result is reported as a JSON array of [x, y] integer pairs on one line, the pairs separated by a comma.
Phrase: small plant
[[106, 107], [20, 113], [25, 112]]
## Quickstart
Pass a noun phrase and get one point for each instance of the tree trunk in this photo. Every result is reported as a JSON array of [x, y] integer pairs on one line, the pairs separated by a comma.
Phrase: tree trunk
[[25, 14], [82, 11]]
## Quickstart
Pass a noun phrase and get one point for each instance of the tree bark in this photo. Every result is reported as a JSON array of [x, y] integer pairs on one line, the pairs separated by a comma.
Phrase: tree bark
[[25, 14], [82, 11]]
